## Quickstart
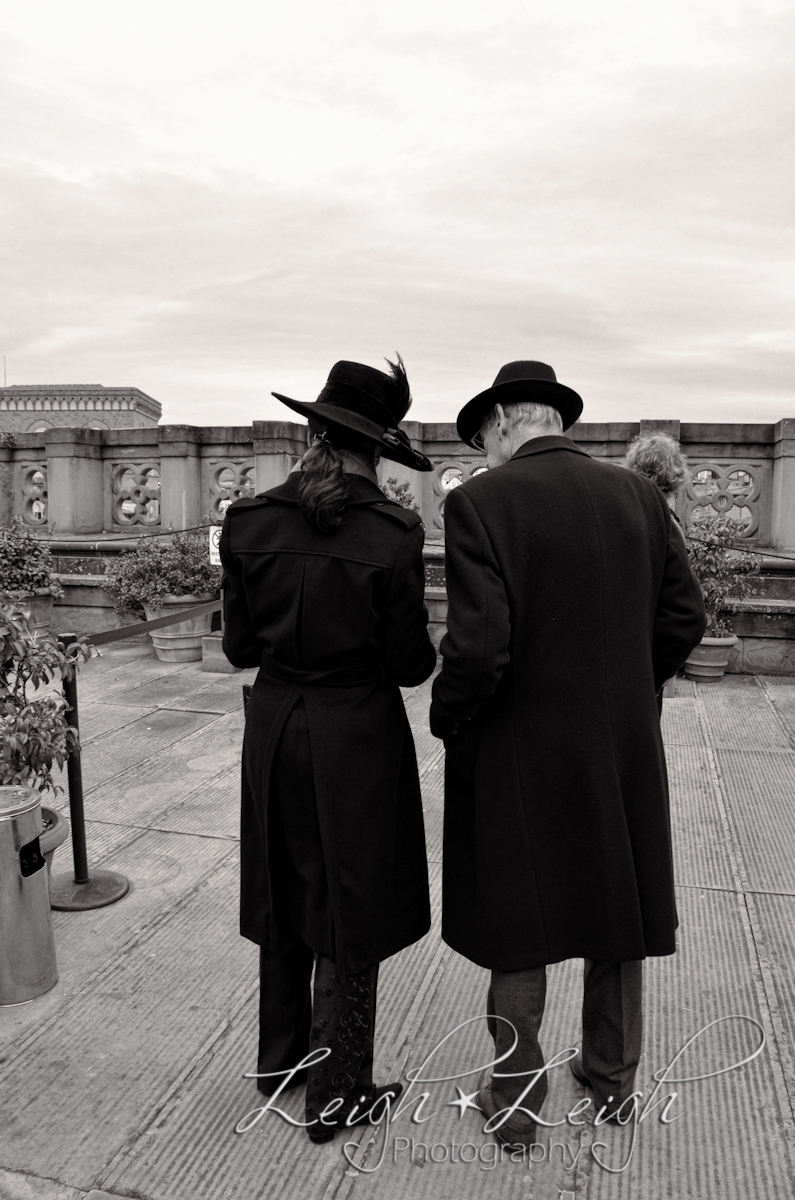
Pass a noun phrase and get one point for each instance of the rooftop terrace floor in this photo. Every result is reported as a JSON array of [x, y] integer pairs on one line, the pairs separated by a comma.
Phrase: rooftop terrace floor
[[128, 1078]]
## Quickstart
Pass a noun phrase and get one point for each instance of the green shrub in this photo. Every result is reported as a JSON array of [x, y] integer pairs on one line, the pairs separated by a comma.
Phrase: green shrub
[[34, 731], [723, 572], [25, 562], [399, 492], [156, 569]]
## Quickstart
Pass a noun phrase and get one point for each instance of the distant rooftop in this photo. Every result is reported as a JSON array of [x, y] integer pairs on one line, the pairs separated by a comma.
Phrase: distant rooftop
[[34, 406]]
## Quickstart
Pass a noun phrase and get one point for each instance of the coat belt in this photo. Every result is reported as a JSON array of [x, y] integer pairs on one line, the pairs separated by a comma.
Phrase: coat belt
[[368, 671]]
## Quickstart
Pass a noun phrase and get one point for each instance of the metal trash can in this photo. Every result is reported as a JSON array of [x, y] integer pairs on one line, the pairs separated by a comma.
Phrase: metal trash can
[[27, 947]]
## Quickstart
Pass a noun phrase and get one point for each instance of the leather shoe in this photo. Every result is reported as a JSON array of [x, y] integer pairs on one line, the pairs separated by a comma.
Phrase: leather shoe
[[365, 1100], [506, 1134], [578, 1071]]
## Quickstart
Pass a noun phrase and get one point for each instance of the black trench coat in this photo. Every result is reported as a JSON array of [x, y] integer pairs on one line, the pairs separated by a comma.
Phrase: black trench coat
[[337, 621], [571, 601]]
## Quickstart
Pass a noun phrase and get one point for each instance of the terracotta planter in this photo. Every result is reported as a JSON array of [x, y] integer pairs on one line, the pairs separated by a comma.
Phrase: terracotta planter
[[709, 659], [53, 837], [181, 642]]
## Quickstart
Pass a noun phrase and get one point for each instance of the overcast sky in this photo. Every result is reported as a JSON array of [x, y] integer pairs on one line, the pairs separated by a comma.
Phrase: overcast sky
[[211, 200]]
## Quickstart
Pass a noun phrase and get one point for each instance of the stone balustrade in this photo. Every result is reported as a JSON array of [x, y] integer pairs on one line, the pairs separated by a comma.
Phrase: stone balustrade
[[82, 481], [91, 492]]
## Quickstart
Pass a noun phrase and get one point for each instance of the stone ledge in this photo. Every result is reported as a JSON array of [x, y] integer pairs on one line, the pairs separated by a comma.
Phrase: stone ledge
[[763, 656]]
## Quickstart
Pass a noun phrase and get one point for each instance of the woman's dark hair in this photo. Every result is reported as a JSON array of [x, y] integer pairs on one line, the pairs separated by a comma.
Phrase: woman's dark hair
[[323, 492]]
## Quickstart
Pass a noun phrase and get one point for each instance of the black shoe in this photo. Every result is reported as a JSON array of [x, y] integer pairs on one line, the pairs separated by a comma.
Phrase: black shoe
[[321, 1133], [365, 1100], [578, 1072]]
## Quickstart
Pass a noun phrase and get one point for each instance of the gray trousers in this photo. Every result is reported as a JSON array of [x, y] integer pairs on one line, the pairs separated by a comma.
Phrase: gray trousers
[[612, 1029]]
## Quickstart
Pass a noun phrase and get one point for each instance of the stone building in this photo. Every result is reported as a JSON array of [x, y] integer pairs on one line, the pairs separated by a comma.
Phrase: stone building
[[32, 408]]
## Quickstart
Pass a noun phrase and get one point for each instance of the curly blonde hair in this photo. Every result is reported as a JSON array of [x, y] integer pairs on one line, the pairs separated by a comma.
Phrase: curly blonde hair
[[658, 457]]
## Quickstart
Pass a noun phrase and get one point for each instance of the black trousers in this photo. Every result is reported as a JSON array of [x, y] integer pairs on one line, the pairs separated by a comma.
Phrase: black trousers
[[612, 1028], [337, 1013]]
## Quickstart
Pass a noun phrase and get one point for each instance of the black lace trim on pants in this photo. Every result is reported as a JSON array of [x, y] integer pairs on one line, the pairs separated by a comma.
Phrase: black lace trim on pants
[[343, 1019]]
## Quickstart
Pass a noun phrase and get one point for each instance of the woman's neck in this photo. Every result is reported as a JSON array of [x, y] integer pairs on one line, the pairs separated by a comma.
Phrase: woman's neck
[[353, 465]]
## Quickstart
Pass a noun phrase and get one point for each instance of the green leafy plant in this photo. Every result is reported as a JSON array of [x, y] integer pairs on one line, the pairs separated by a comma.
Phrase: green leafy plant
[[156, 569], [723, 572], [25, 563], [34, 730], [399, 492]]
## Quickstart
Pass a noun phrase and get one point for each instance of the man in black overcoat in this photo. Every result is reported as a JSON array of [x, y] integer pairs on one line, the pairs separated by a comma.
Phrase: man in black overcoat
[[570, 603]]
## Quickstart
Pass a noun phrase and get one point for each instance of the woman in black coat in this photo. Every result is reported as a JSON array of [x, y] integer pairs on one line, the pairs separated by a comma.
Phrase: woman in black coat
[[324, 584]]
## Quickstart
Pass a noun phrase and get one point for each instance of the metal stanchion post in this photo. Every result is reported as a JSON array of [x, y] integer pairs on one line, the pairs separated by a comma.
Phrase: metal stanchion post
[[83, 889]]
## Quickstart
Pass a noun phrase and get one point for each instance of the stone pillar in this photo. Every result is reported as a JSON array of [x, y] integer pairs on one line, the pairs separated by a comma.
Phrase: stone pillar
[[6, 485], [782, 535], [277, 444], [180, 476], [74, 480]]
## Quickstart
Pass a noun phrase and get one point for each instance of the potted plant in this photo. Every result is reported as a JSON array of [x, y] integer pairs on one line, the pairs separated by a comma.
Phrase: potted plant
[[34, 729], [26, 573], [160, 577], [724, 575]]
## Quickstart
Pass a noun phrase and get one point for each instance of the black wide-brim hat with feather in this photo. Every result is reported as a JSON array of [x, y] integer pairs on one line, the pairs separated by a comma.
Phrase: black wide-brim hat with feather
[[369, 402], [523, 380]]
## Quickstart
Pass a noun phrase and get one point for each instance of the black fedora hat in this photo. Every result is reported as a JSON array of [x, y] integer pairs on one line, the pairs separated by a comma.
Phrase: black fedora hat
[[369, 402], [519, 381]]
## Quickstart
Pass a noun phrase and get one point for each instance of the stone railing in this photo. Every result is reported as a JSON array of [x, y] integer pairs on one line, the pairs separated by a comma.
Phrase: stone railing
[[91, 492], [744, 471], [78, 481]]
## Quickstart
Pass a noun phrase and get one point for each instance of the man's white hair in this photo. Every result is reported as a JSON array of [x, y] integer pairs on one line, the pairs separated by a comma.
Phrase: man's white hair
[[527, 414]]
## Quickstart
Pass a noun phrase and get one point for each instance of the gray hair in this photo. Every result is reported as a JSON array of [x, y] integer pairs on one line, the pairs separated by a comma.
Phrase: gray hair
[[657, 456], [527, 413]]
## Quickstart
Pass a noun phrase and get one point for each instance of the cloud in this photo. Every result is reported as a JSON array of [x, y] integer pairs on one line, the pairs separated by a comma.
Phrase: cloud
[[213, 201]]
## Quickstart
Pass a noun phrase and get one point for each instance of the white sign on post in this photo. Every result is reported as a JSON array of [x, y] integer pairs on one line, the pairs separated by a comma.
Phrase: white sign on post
[[215, 539]]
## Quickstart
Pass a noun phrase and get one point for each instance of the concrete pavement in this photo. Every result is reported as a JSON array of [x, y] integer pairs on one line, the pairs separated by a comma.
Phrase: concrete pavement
[[128, 1078]]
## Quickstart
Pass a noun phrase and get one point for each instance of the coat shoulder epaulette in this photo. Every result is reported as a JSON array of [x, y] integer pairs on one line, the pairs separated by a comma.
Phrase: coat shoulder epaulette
[[248, 502], [404, 516]]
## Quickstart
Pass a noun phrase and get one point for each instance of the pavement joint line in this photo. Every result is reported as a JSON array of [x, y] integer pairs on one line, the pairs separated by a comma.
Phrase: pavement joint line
[[764, 688], [146, 711], [213, 837], [433, 761], [139, 938], [162, 1108], [142, 761], [113, 728], [708, 887], [24, 1174], [421, 1002], [200, 788], [780, 1059]]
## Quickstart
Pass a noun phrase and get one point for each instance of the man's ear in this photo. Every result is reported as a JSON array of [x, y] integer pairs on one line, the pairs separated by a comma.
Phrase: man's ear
[[499, 413]]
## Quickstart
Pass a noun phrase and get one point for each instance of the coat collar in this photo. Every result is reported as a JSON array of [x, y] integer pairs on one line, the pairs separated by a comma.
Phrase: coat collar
[[362, 490], [540, 445]]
